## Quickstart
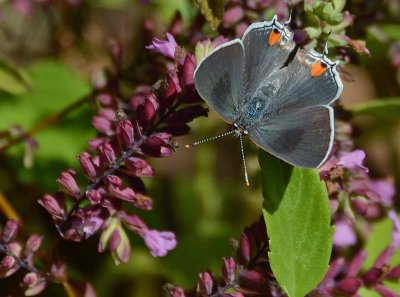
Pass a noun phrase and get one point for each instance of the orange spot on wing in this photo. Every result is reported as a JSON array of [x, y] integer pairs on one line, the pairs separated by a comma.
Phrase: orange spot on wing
[[318, 68], [274, 36]]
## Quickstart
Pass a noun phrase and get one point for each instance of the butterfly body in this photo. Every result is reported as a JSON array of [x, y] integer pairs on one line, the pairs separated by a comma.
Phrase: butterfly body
[[278, 95]]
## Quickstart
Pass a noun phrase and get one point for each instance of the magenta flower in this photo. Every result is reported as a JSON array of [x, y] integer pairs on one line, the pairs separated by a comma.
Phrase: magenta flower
[[164, 47], [233, 15], [159, 243], [353, 160], [344, 234]]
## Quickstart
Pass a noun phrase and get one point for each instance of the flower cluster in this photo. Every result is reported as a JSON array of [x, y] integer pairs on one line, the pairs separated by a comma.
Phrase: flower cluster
[[352, 191], [131, 128], [18, 256], [249, 274], [346, 278]]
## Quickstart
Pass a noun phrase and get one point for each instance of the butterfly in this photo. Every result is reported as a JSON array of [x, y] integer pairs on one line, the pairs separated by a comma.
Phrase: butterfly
[[276, 95]]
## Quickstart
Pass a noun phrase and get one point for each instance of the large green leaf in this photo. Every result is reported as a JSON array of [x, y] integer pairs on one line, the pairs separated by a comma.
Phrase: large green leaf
[[297, 215], [385, 109]]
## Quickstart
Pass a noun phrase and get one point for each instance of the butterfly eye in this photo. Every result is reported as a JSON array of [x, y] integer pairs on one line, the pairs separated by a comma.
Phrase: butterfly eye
[[274, 36]]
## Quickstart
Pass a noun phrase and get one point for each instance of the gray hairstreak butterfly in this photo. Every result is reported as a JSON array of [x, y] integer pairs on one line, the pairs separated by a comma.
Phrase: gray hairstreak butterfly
[[278, 96]]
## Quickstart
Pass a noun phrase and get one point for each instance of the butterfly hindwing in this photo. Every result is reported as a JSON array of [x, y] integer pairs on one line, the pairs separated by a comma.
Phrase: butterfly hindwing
[[303, 137]]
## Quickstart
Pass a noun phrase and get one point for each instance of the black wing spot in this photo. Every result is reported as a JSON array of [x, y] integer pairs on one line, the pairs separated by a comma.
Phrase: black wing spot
[[291, 138], [290, 57]]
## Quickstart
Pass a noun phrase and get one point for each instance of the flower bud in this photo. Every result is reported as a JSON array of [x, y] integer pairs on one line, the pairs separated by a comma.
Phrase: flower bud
[[254, 280], [33, 243], [69, 184], [349, 286], [34, 284], [103, 125], [139, 167], [125, 133], [107, 154], [151, 107], [384, 291], [133, 222], [244, 252], [228, 270], [94, 196], [159, 145], [206, 283], [88, 167], [54, 205], [189, 67], [372, 276], [112, 181], [10, 231]]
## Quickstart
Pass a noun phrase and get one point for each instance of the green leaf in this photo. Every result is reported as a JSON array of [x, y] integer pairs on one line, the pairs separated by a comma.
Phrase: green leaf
[[297, 215], [13, 80], [391, 31], [385, 109], [54, 87], [213, 10]]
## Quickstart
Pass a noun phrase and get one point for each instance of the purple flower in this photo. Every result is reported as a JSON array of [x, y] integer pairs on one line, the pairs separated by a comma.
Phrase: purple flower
[[396, 229], [233, 15], [159, 243], [344, 234], [378, 191], [353, 160], [33, 283], [164, 47]]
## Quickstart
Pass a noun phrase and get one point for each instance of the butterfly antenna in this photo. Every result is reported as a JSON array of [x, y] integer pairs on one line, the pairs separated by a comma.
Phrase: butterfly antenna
[[208, 139], [325, 52], [246, 177], [290, 16]]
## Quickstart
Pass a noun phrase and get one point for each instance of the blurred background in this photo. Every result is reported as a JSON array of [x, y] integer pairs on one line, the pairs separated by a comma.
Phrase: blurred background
[[53, 52]]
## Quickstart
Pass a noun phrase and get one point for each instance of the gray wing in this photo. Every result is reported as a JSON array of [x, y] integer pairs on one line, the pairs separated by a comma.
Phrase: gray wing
[[219, 79], [267, 46], [310, 79], [302, 138]]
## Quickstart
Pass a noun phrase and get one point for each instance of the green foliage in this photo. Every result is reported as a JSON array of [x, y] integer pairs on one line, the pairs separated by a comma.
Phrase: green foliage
[[384, 109], [54, 87], [13, 80], [212, 10], [296, 211]]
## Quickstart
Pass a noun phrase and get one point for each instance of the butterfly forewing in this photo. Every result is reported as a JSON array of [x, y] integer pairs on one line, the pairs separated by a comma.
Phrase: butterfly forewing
[[218, 79], [309, 80], [267, 46]]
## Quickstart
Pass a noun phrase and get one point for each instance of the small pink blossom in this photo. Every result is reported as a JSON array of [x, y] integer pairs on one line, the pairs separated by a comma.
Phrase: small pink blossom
[[164, 47], [159, 243]]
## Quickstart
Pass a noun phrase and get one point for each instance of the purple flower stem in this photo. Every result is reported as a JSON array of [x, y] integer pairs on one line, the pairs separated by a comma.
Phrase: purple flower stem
[[125, 155]]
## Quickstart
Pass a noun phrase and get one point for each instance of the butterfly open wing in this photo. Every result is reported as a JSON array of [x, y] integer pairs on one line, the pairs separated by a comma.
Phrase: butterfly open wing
[[219, 79], [302, 138], [267, 47], [310, 79]]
